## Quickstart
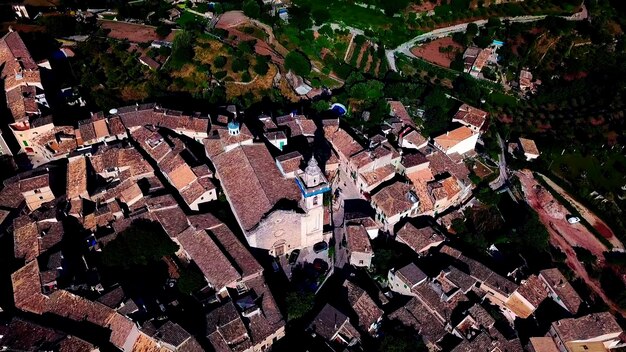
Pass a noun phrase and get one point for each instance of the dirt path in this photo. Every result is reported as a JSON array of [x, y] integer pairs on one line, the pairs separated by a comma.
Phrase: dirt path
[[362, 52], [587, 214], [564, 235]]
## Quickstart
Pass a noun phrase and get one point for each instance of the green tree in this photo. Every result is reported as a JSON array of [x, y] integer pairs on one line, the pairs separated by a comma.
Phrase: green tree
[[369, 90], [320, 105], [182, 50], [190, 280], [220, 61], [298, 63], [163, 30], [247, 46], [261, 67], [320, 15], [240, 64], [298, 304], [142, 243], [252, 9]]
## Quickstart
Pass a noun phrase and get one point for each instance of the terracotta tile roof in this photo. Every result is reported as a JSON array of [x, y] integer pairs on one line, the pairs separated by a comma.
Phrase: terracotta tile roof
[[481, 272], [433, 297], [121, 327], [459, 278], [543, 344], [32, 183], [413, 159], [441, 163], [113, 299], [358, 240], [529, 146], [22, 335], [252, 182], [341, 141], [290, 162], [77, 308], [420, 179], [378, 175], [100, 127], [219, 139], [482, 317], [182, 175], [195, 189], [452, 138], [532, 290], [586, 327], [225, 327], [172, 334], [10, 195], [173, 220], [87, 131], [116, 126], [419, 239], [129, 192], [202, 171], [489, 343], [76, 180], [398, 110], [207, 255], [411, 274], [328, 322], [74, 344], [414, 138], [568, 296], [270, 320], [307, 126], [145, 343], [393, 199], [164, 201], [235, 249], [27, 293], [413, 314], [363, 305], [469, 115], [22, 102], [25, 238], [204, 221]]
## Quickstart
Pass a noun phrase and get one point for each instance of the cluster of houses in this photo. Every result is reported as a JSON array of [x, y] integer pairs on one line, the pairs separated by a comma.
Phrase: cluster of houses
[[449, 307], [141, 163], [420, 176], [475, 58]]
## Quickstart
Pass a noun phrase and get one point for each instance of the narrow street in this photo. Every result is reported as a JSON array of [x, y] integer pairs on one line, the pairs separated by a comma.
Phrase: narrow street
[[348, 191]]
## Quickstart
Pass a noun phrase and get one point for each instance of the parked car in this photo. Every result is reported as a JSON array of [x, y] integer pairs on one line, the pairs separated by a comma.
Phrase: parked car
[[320, 247], [573, 219], [320, 265], [275, 266], [293, 256]]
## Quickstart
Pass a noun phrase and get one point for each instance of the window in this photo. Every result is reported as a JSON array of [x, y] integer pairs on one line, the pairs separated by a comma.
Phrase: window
[[315, 201], [360, 262]]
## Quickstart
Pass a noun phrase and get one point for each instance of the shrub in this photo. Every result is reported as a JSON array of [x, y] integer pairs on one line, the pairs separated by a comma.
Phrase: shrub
[[298, 63], [240, 64]]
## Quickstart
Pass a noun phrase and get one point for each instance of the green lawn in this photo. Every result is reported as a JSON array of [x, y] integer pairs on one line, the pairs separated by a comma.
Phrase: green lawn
[[601, 172], [188, 17], [501, 99], [350, 14]]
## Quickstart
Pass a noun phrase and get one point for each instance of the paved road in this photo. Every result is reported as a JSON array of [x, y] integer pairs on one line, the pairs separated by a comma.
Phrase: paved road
[[348, 191], [503, 177], [405, 48]]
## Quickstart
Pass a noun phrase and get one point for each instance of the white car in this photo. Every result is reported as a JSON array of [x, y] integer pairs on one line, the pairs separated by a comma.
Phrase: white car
[[573, 219]]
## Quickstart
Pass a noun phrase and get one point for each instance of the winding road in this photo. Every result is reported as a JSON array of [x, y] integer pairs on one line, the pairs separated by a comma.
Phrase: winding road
[[405, 48]]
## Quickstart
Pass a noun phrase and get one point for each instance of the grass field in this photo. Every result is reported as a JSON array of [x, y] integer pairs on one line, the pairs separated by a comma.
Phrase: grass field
[[602, 172], [349, 13]]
